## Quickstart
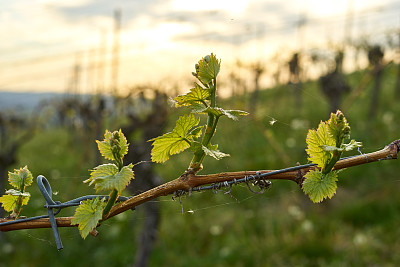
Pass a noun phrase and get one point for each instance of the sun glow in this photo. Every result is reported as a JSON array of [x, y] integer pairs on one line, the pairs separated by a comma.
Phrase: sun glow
[[230, 6]]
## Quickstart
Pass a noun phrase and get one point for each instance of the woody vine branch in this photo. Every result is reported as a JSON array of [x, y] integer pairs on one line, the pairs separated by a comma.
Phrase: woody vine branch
[[186, 182]]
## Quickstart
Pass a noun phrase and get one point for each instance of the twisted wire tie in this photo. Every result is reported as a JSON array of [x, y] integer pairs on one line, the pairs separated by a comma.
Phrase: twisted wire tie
[[45, 189]]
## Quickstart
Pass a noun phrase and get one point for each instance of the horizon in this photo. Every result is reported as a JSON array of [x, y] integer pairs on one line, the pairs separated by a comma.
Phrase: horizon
[[160, 41]]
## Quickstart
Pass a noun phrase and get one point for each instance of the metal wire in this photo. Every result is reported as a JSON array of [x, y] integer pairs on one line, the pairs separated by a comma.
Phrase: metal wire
[[45, 189], [259, 176]]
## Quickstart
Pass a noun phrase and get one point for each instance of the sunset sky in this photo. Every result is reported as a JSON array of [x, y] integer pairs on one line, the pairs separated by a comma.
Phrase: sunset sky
[[48, 44]]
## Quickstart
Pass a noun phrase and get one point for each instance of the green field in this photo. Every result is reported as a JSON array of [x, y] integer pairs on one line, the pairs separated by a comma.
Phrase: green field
[[282, 227]]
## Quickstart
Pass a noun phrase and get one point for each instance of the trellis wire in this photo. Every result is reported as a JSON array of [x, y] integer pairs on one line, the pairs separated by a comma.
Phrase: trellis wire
[[45, 189], [257, 176]]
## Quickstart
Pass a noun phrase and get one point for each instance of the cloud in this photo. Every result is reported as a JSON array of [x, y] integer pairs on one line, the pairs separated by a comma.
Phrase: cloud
[[130, 9], [260, 19], [48, 33]]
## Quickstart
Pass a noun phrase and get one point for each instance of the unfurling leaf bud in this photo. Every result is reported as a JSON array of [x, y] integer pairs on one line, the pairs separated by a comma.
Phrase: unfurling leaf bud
[[207, 69], [197, 69], [114, 142], [116, 135], [114, 146], [339, 115]]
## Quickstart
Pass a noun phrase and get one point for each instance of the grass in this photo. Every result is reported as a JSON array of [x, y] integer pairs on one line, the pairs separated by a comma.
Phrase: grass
[[358, 227]]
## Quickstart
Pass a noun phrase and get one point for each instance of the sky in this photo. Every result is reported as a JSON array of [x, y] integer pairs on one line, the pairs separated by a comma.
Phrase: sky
[[60, 46]]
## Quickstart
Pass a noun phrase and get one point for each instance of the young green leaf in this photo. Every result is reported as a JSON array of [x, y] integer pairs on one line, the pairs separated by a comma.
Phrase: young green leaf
[[326, 144], [176, 141], [18, 193], [107, 177], [9, 201], [218, 112], [207, 69], [195, 133], [338, 127], [20, 178], [197, 95], [319, 186], [352, 145], [324, 147], [316, 141], [15, 199], [185, 124], [88, 215], [235, 114], [212, 150], [344, 147], [114, 146]]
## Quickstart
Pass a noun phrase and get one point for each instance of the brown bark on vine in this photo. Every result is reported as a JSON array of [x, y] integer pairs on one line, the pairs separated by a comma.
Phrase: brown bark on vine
[[189, 181]]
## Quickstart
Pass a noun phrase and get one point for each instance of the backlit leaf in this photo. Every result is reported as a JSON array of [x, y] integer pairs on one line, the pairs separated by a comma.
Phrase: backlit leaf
[[316, 141], [212, 150], [344, 147], [218, 112], [331, 148], [197, 95], [185, 123], [195, 132], [10, 201], [208, 69], [88, 215], [113, 141], [107, 177], [352, 145], [319, 186], [326, 144], [324, 147], [105, 146], [167, 145], [235, 114], [338, 127], [20, 177], [176, 141], [17, 193]]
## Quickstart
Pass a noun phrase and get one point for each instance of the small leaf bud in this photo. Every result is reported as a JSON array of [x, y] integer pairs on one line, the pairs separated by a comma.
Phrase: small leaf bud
[[116, 135], [339, 115]]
